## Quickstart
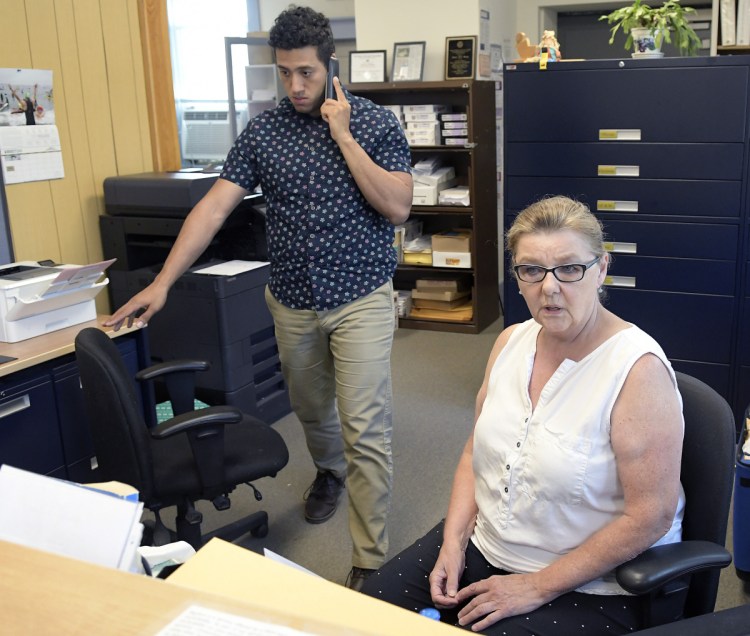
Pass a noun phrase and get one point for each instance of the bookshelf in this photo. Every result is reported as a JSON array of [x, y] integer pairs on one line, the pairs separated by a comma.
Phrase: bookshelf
[[475, 167], [731, 13]]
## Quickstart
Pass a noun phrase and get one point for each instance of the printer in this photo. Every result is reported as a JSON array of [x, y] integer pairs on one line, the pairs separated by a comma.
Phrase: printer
[[37, 299], [220, 318]]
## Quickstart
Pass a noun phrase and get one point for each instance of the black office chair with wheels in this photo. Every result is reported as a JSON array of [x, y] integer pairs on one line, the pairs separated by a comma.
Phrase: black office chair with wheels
[[681, 580], [196, 455]]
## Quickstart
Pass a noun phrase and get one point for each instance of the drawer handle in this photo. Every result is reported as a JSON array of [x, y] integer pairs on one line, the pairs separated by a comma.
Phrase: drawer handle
[[617, 247], [618, 171], [620, 281], [606, 205], [15, 405], [620, 134]]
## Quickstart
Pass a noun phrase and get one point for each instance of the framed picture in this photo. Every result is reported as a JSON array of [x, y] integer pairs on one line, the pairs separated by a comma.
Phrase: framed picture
[[408, 61], [460, 57], [366, 66]]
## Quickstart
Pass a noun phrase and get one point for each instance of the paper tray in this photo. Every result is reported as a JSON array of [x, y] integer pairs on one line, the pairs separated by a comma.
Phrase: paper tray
[[27, 308]]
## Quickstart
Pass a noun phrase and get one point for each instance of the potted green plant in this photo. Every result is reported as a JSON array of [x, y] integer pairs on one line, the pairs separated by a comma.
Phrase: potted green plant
[[648, 27]]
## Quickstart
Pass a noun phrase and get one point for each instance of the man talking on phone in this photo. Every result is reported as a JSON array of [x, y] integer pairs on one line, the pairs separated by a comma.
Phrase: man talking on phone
[[336, 177]]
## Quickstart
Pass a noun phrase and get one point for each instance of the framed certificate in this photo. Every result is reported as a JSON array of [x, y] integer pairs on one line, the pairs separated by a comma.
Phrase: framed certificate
[[408, 61], [366, 66], [460, 57]]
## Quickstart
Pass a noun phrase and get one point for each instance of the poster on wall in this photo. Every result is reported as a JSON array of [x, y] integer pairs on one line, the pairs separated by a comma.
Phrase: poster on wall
[[29, 140]]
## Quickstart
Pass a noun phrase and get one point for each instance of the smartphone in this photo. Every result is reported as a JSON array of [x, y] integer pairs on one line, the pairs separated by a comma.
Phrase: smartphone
[[333, 71]]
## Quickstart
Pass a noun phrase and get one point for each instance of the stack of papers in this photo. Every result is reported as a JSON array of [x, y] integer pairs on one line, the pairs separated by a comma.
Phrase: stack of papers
[[69, 519]]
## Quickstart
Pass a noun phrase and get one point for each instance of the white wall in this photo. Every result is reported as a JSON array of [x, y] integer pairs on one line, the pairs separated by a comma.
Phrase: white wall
[[269, 9], [533, 16], [381, 23]]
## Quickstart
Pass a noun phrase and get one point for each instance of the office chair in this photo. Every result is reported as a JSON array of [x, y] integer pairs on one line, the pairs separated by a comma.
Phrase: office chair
[[681, 580], [196, 455]]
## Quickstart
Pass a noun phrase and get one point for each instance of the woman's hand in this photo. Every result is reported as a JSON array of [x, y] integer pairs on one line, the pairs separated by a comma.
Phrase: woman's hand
[[445, 577], [498, 597]]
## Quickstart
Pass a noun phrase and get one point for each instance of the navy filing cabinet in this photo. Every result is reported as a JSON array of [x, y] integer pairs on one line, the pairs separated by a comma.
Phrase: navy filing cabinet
[[658, 149], [43, 422]]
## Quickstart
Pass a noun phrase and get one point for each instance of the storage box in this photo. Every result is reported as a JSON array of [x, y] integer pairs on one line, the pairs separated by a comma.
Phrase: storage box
[[441, 285], [442, 305], [445, 177], [418, 258], [424, 195], [452, 241], [451, 259], [443, 296]]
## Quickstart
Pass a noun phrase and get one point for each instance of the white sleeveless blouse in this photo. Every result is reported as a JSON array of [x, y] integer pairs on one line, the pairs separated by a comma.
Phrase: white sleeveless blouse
[[546, 481]]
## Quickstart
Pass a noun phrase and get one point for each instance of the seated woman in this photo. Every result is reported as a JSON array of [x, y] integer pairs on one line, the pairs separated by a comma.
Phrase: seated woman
[[573, 466]]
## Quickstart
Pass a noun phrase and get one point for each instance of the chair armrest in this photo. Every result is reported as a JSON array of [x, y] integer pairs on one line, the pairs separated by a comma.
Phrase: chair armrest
[[171, 366], [208, 419], [661, 564]]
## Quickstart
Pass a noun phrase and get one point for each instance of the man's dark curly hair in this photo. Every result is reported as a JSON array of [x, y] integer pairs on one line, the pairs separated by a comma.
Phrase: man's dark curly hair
[[298, 27]]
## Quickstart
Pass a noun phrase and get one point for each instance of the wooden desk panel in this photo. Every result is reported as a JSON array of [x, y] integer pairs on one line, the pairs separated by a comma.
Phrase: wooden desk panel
[[43, 593], [49, 346]]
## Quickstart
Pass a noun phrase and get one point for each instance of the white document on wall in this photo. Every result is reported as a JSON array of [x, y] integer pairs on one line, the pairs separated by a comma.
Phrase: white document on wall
[[30, 153], [68, 519]]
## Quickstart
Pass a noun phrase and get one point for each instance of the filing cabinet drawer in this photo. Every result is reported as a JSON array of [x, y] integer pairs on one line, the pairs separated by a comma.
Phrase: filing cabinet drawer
[[567, 104], [29, 435], [714, 199], [641, 160], [688, 326], [715, 375], [673, 239], [744, 349], [672, 274]]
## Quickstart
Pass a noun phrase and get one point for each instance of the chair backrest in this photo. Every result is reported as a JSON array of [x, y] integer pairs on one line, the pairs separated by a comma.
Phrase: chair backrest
[[708, 456], [116, 421]]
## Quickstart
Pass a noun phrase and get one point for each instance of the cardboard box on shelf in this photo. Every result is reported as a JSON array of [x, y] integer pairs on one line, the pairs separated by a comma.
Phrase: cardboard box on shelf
[[464, 313], [424, 194], [451, 259], [443, 305], [444, 176], [452, 241], [423, 257], [442, 295], [442, 284]]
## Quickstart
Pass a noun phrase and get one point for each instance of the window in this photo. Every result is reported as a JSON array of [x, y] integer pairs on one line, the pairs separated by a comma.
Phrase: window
[[197, 29]]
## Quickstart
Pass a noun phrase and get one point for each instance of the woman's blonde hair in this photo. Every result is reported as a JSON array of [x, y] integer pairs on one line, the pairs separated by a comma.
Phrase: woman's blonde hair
[[552, 214]]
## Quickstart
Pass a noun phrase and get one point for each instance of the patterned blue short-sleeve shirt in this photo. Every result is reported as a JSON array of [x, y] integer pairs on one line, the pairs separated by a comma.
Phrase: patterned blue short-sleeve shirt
[[327, 245]]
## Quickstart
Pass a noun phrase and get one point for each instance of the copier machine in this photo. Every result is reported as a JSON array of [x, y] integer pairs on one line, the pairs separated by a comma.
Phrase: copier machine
[[219, 318]]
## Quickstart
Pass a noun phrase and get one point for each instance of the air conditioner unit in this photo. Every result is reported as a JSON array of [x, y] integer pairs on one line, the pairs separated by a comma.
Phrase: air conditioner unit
[[206, 135]]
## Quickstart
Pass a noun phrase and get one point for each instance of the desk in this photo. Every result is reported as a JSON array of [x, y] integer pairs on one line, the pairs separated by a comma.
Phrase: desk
[[43, 418], [56, 344], [43, 593]]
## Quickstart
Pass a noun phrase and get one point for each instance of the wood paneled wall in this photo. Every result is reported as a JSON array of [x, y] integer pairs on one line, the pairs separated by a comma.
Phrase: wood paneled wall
[[94, 50]]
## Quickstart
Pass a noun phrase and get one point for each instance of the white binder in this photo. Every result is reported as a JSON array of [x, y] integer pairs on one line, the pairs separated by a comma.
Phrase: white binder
[[727, 22]]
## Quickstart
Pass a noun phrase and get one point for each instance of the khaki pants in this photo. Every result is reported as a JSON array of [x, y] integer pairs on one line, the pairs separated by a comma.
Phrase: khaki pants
[[337, 365]]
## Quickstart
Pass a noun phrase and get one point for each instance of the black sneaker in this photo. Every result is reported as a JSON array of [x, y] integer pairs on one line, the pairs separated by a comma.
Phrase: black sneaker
[[322, 497], [357, 577]]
